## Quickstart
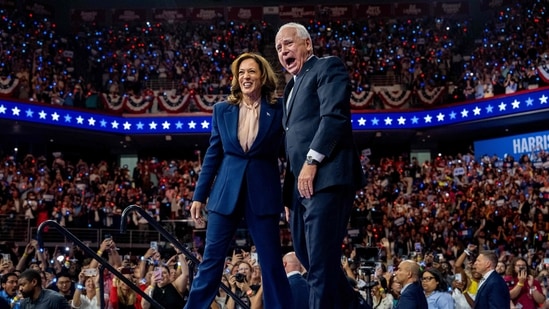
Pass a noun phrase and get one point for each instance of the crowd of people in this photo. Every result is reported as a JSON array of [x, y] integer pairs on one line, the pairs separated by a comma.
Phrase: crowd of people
[[422, 53], [408, 211]]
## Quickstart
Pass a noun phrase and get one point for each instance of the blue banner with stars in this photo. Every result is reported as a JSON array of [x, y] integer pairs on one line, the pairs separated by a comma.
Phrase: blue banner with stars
[[521, 103]]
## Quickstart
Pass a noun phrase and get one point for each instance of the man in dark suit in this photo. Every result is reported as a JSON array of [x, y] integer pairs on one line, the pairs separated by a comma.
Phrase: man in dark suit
[[323, 167], [298, 284], [411, 295], [492, 292]]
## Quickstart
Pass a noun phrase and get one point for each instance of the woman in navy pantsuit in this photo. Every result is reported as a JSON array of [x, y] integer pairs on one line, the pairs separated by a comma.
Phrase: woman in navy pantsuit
[[241, 178]]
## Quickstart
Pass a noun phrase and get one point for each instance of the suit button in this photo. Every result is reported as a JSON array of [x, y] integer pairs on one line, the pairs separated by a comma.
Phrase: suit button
[[287, 129]]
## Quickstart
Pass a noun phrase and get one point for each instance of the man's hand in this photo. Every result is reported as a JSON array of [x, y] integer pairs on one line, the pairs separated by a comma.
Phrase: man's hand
[[306, 179]]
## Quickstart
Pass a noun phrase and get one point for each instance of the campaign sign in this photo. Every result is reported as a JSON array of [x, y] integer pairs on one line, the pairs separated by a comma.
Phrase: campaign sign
[[517, 145]]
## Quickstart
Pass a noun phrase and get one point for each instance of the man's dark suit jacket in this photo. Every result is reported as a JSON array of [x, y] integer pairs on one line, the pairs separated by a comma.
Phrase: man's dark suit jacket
[[300, 291], [493, 294], [412, 298], [322, 126]]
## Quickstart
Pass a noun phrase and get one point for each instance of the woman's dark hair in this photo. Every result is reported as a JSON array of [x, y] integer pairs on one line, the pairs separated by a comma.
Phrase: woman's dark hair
[[442, 285]]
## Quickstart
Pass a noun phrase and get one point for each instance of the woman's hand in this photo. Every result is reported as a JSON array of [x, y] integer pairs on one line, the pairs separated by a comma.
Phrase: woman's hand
[[196, 212]]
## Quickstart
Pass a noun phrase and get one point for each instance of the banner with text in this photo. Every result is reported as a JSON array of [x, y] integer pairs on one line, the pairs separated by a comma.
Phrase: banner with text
[[88, 16], [516, 145], [373, 10], [206, 14], [412, 9], [297, 12], [129, 16], [451, 8], [245, 13], [169, 15]]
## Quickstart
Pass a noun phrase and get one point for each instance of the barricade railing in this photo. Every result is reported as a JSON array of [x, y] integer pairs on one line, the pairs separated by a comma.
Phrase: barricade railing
[[77, 242], [170, 238]]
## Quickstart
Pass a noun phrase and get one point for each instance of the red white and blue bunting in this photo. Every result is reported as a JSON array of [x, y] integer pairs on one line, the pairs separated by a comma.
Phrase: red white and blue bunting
[[206, 102], [361, 100], [173, 103], [112, 102], [430, 96], [394, 99], [8, 86], [543, 71], [138, 104]]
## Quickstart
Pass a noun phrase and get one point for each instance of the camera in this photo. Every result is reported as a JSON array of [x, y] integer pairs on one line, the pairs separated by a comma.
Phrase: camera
[[239, 277]]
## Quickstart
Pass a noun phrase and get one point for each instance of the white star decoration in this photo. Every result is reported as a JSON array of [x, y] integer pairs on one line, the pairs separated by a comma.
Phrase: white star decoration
[[152, 125], [543, 99], [2, 109], [79, 120], [166, 125], [476, 111], [192, 124], [205, 124], [440, 117], [114, 124], [464, 113], [428, 118], [127, 125], [42, 114], [91, 122], [361, 121], [55, 116], [15, 111], [515, 104], [388, 121], [502, 106], [401, 120]]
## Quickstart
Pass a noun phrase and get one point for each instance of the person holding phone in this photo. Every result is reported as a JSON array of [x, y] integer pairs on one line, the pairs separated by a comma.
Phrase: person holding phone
[[167, 292], [88, 281], [241, 177], [523, 288]]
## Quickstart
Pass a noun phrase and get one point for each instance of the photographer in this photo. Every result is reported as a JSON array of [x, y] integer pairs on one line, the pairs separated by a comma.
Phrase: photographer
[[524, 289], [241, 285]]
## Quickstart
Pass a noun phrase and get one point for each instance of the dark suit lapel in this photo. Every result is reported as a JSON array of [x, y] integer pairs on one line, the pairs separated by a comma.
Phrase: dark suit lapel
[[266, 119], [231, 124], [306, 67]]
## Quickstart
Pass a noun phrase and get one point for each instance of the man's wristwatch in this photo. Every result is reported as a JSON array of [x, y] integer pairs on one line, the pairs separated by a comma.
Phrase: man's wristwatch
[[311, 161]]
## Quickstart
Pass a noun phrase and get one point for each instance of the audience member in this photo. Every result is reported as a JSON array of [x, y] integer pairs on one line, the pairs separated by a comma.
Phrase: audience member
[[34, 296], [411, 295], [492, 292], [298, 284], [435, 288]]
